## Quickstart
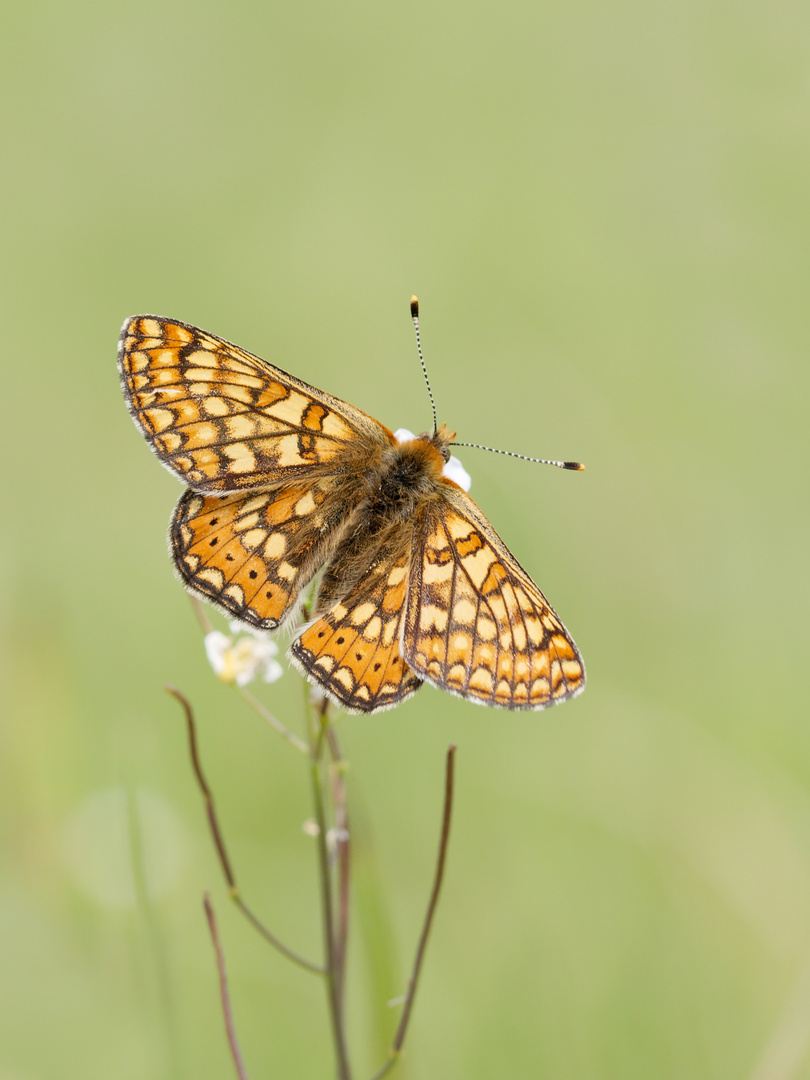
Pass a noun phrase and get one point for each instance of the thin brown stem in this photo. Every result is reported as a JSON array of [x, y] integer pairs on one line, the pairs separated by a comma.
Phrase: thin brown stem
[[201, 614], [223, 990], [319, 728], [274, 722], [343, 856], [271, 939], [219, 843], [399, 1038]]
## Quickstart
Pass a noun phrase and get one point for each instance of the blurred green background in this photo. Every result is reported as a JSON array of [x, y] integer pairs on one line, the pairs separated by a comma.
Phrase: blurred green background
[[604, 211]]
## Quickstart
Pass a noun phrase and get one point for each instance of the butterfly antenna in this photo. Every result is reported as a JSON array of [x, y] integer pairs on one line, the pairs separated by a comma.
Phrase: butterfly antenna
[[415, 317], [576, 465]]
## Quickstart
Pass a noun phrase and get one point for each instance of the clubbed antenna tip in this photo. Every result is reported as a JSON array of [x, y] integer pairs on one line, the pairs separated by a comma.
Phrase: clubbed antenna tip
[[415, 318], [577, 466]]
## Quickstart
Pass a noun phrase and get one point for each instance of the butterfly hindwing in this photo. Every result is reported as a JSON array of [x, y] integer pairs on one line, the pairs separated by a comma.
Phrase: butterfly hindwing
[[251, 553], [224, 420], [476, 624], [352, 650]]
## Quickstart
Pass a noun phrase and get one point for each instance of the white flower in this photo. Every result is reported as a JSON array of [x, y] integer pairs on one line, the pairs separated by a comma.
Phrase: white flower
[[453, 469], [242, 659]]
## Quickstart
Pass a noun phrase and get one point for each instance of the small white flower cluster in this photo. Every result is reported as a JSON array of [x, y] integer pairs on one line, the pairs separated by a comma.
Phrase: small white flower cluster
[[241, 659], [453, 469]]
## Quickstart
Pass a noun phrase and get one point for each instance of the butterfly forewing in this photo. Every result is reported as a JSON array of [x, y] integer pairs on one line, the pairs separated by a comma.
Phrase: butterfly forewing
[[224, 420], [476, 624]]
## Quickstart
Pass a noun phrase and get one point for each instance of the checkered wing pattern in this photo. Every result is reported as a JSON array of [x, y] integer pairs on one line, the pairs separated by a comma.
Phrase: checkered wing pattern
[[475, 623], [224, 420]]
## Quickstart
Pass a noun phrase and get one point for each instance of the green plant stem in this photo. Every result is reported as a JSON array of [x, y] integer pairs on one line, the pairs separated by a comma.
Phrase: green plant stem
[[343, 856], [275, 724], [152, 926], [318, 729]]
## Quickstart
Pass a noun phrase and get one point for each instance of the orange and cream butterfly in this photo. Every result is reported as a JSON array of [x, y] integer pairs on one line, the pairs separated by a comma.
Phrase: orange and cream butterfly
[[285, 481]]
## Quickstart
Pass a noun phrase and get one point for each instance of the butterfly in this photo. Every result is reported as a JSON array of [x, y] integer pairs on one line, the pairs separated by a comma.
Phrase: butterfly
[[285, 482]]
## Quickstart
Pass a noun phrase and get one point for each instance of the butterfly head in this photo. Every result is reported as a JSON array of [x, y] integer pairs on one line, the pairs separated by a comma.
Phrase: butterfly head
[[442, 439], [433, 449], [428, 452]]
